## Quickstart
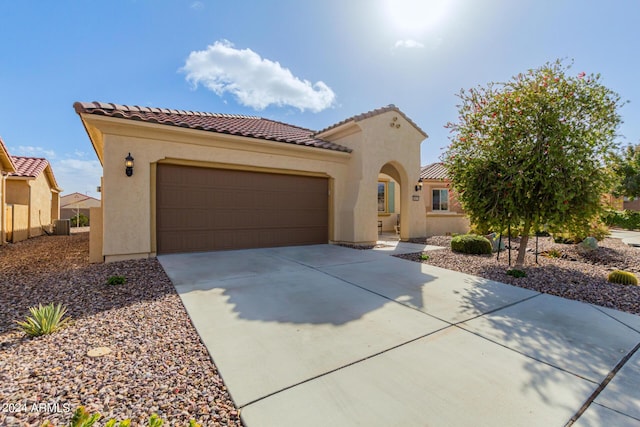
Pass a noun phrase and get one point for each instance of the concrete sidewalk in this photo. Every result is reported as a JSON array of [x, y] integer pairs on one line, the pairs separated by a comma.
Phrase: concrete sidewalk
[[324, 335], [631, 238]]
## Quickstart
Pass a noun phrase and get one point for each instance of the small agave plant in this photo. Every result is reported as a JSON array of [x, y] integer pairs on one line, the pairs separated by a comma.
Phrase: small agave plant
[[44, 319]]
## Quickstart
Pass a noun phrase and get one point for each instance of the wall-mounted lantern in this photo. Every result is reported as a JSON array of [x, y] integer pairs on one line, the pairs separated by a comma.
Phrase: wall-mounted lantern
[[419, 185], [128, 165]]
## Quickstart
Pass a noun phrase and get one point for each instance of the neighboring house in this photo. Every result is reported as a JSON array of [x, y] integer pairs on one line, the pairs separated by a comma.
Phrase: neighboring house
[[627, 204], [6, 213], [203, 181], [33, 196], [445, 216], [75, 204]]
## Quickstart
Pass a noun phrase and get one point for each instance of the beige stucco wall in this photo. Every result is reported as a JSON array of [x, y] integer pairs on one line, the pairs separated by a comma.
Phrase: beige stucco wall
[[17, 191], [383, 143], [40, 206], [42, 203], [95, 236], [447, 224], [19, 217], [128, 203]]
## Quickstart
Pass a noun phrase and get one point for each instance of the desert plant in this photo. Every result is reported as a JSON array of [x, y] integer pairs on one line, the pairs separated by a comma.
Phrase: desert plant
[[116, 280], [552, 253], [471, 244], [155, 421], [424, 257], [83, 418], [516, 273], [44, 320], [623, 277]]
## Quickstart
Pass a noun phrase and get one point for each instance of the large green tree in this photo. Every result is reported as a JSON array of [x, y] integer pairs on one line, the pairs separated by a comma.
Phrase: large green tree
[[532, 152], [627, 168]]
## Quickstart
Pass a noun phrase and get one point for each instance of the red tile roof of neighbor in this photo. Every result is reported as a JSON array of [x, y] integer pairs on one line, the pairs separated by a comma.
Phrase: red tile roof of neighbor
[[434, 171], [29, 166], [232, 124]]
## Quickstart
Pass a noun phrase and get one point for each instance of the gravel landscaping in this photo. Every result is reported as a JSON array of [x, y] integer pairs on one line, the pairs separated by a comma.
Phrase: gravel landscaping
[[157, 362], [576, 274]]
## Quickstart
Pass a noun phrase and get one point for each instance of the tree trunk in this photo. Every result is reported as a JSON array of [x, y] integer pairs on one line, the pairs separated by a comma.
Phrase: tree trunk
[[524, 240]]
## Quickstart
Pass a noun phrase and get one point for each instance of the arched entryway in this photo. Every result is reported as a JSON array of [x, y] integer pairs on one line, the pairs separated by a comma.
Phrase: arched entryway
[[391, 184]]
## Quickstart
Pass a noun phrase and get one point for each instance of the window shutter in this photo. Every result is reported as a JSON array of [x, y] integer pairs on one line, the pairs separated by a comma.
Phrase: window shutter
[[391, 197]]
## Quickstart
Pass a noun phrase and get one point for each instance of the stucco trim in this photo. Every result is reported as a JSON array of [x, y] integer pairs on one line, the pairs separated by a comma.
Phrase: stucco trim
[[240, 167], [130, 128]]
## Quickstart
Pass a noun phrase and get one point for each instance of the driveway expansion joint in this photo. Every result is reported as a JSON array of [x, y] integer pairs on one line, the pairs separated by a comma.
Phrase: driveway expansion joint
[[355, 362], [602, 386]]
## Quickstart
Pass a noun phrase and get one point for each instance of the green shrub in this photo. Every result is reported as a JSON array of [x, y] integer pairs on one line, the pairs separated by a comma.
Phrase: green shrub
[[424, 257], [82, 220], [116, 280], [623, 278], [516, 273], [471, 244], [44, 320], [597, 229], [626, 219]]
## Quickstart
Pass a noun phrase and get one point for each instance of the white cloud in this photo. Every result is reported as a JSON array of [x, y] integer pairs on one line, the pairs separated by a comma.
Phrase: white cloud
[[409, 44], [254, 81], [197, 5], [31, 151], [76, 175]]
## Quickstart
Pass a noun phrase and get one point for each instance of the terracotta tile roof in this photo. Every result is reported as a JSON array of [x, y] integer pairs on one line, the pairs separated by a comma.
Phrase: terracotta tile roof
[[373, 113], [232, 124], [5, 158], [434, 171], [29, 166]]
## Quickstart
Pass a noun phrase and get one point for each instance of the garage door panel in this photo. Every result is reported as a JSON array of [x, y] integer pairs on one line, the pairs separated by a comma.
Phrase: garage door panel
[[201, 209]]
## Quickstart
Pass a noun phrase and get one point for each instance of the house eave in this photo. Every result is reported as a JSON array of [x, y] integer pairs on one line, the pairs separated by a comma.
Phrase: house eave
[[98, 126]]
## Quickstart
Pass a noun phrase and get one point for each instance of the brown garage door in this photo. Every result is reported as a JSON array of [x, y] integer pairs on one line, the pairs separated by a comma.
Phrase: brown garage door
[[203, 209]]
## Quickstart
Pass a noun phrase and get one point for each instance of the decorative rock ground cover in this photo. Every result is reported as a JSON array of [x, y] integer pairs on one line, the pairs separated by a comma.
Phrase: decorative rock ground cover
[[156, 362], [576, 274]]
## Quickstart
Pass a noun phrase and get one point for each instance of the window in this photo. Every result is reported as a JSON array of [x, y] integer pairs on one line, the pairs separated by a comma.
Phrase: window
[[382, 196], [386, 196], [440, 200]]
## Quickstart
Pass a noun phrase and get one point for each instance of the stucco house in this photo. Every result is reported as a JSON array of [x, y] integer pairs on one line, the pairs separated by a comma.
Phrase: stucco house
[[6, 219], [204, 181], [32, 197], [445, 216], [74, 204]]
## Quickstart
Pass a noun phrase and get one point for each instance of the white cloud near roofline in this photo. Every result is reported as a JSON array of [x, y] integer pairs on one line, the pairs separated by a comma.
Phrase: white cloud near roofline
[[78, 176], [254, 81]]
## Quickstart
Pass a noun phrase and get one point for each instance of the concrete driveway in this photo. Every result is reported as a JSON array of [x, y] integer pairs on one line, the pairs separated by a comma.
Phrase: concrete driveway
[[325, 335]]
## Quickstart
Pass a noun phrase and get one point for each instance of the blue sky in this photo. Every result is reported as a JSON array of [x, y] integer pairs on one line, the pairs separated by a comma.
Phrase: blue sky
[[308, 63]]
